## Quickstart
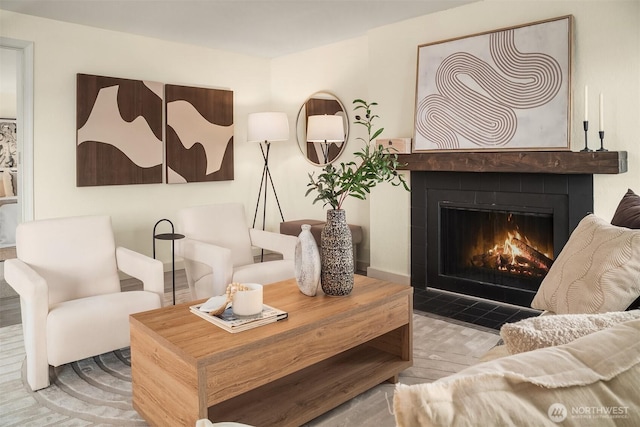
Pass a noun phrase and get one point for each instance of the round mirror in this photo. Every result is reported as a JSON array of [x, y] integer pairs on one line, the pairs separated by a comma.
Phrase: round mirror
[[322, 128]]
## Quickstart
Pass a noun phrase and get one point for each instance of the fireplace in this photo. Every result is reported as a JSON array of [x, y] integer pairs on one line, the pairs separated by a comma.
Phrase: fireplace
[[492, 235], [495, 244]]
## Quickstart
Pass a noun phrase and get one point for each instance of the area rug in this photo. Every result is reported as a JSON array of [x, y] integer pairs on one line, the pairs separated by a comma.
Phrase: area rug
[[97, 391]]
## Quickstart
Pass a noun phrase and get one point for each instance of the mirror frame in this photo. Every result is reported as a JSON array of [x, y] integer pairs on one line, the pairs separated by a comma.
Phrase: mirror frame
[[301, 126]]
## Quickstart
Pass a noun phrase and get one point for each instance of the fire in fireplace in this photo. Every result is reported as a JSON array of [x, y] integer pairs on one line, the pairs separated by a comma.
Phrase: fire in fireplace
[[492, 235], [501, 247]]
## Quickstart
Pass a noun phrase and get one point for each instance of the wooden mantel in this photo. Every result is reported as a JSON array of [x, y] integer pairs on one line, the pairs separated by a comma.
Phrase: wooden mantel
[[556, 162]]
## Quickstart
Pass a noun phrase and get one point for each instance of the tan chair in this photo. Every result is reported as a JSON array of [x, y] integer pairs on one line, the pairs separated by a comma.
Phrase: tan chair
[[217, 250], [66, 274]]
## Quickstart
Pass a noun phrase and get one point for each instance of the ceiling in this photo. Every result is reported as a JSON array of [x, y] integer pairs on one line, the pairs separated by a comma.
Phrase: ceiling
[[264, 28]]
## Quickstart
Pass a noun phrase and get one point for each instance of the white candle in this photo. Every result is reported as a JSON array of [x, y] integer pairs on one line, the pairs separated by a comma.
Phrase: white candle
[[586, 103], [249, 302], [601, 112]]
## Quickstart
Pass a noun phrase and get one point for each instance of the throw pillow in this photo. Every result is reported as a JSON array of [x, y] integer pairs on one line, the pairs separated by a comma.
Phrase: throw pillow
[[597, 271], [628, 212], [547, 331]]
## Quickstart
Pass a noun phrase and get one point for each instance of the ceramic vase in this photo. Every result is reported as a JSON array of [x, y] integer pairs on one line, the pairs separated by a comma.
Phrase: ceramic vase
[[307, 262], [336, 255]]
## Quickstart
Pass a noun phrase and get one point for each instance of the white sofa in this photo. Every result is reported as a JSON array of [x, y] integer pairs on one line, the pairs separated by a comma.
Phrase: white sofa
[[578, 365], [592, 381]]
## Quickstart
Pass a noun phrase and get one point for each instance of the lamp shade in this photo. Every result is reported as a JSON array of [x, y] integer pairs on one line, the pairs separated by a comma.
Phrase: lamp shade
[[325, 128], [268, 126]]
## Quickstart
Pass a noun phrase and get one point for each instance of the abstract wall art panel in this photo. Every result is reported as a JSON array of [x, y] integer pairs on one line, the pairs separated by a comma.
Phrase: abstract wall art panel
[[8, 144], [501, 90], [199, 134], [119, 131]]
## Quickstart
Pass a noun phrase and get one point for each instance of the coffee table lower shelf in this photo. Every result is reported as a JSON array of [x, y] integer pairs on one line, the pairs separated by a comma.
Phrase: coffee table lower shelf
[[309, 393]]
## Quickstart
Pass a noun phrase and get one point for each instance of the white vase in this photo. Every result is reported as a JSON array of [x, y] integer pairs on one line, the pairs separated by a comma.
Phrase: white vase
[[307, 262]]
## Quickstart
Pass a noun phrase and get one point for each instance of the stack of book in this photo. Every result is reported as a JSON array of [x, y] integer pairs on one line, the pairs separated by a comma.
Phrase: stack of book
[[232, 323]]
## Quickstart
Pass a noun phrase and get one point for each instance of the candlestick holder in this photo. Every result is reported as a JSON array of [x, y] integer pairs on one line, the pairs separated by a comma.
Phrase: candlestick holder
[[601, 134], [585, 124]]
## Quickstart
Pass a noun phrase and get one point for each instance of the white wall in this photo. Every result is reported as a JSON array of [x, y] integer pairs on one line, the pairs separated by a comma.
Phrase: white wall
[[379, 66], [606, 57], [61, 51], [8, 82], [337, 68]]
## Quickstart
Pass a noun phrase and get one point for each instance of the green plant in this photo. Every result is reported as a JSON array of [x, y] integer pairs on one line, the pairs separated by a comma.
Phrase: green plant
[[377, 164]]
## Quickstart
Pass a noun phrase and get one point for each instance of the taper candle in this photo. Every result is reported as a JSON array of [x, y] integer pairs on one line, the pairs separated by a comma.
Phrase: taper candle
[[601, 112], [586, 103]]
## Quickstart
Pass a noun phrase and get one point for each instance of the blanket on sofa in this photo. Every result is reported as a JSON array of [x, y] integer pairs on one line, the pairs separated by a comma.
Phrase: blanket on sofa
[[594, 380]]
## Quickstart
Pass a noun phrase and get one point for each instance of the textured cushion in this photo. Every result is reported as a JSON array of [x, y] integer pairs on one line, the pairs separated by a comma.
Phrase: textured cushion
[[598, 372], [597, 271], [628, 211], [546, 331]]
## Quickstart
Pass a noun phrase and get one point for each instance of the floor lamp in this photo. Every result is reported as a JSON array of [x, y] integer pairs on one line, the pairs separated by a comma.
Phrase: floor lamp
[[266, 128], [325, 129]]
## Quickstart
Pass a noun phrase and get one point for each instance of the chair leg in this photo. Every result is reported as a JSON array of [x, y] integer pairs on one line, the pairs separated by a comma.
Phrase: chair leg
[[35, 345], [37, 373]]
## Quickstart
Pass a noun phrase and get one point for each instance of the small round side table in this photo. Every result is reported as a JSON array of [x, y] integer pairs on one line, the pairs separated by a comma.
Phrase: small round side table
[[173, 236]]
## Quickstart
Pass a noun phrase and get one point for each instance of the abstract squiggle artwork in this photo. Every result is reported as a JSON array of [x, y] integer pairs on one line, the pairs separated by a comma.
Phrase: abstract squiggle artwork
[[8, 144], [503, 90], [199, 134], [119, 131]]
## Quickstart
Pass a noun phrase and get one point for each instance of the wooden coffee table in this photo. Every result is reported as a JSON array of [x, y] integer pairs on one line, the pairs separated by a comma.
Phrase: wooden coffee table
[[328, 351]]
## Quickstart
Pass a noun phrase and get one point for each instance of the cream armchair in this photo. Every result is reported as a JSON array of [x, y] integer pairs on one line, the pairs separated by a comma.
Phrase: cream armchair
[[66, 274], [217, 250]]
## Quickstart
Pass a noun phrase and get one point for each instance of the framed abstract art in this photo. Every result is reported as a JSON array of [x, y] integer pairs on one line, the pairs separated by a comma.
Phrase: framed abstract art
[[199, 134], [135, 131], [119, 131], [8, 144], [500, 90]]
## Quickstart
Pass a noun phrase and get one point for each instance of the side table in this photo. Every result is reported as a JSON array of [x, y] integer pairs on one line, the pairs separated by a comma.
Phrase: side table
[[173, 236]]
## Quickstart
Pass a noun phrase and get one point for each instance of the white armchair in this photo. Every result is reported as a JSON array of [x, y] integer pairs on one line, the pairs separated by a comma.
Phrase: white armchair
[[217, 250], [66, 273]]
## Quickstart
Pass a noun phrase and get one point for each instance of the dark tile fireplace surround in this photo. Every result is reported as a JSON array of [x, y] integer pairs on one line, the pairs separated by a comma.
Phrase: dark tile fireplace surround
[[544, 194]]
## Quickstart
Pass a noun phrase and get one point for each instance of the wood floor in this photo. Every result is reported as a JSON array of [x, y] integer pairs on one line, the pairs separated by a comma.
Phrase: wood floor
[[7, 253], [10, 305]]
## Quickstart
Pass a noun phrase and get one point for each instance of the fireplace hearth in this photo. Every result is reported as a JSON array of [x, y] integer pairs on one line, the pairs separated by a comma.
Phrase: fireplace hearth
[[492, 235]]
